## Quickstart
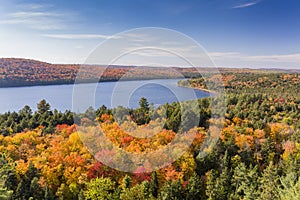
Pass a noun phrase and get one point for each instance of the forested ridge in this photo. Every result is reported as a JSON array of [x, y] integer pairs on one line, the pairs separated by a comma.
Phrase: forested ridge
[[257, 154], [25, 72], [16, 72]]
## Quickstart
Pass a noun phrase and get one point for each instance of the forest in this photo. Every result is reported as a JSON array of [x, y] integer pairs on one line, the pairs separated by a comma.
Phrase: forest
[[25, 72], [256, 154], [15, 72]]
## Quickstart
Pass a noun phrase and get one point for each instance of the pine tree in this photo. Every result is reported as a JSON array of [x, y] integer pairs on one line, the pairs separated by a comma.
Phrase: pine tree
[[4, 192], [81, 195], [126, 182], [101, 188], [290, 187], [268, 183], [195, 188], [48, 194], [144, 105], [245, 182], [219, 185], [172, 190], [43, 107], [5, 167], [154, 184], [36, 190]]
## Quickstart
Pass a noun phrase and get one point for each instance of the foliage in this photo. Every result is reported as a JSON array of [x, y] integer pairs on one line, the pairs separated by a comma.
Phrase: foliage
[[257, 155]]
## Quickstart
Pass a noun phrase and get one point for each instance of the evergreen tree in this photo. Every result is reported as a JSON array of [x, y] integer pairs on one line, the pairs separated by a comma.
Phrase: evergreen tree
[[144, 105], [81, 195], [101, 188], [154, 184], [126, 182], [219, 186], [36, 191], [172, 191], [290, 187], [195, 188], [48, 195], [268, 183], [245, 182], [43, 107], [5, 193]]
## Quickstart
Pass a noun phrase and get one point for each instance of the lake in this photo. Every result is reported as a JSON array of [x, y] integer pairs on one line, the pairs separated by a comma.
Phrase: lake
[[111, 94]]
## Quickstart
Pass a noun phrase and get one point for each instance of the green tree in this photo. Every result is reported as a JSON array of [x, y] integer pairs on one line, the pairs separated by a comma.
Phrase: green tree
[[268, 183], [289, 188], [43, 107], [219, 185], [245, 182], [138, 192], [36, 191], [144, 105], [195, 188], [5, 193], [101, 188], [188, 120], [48, 195], [126, 182], [63, 192], [141, 115], [172, 191], [154, 184]]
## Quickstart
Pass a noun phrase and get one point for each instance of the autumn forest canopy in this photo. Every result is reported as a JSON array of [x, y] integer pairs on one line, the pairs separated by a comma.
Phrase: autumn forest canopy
[[255, 155], [25, 72]]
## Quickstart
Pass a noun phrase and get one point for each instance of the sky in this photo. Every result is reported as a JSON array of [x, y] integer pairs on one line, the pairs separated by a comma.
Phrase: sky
[[233, 33]]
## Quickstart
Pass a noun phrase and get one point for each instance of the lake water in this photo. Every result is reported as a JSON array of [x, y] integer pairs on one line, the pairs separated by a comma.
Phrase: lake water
[[111, 94]]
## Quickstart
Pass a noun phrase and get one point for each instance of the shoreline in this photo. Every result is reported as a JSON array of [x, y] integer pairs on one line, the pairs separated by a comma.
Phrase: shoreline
[[202, 89], [78, 82]]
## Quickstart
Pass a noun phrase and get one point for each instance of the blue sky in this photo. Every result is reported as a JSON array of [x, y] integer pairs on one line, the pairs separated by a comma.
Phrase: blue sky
[[235, 33]]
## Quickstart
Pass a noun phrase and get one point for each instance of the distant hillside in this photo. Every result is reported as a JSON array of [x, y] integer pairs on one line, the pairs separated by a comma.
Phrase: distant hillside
[[25, 72], [21, 72]]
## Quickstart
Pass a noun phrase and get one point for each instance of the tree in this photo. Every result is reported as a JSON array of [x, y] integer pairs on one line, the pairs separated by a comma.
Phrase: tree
[[100, 188], [126, 182], [63, 192], [219, 185], [144, 105], [5, 193], [43, 107], [268, 183], [48, 194], [172, 190], [141, 115], [36, 191], [195, 188], [154, 184], [139, 191], [289, 188], [26, 112], [245, 182], [189, 120]]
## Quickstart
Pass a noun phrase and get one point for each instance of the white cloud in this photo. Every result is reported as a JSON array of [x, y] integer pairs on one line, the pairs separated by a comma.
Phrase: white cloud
[[80, 36], [295, 58], [217, 55], [33, 6], [248, 4], [238, 59], [24, 14], [33, 16]]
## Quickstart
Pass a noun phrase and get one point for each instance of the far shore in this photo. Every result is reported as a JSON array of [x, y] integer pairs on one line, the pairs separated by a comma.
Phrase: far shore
[[71, 82], [197, 88]]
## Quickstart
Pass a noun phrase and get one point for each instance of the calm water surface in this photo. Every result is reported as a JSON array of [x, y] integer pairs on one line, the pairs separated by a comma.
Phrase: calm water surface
[[110, 94]]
